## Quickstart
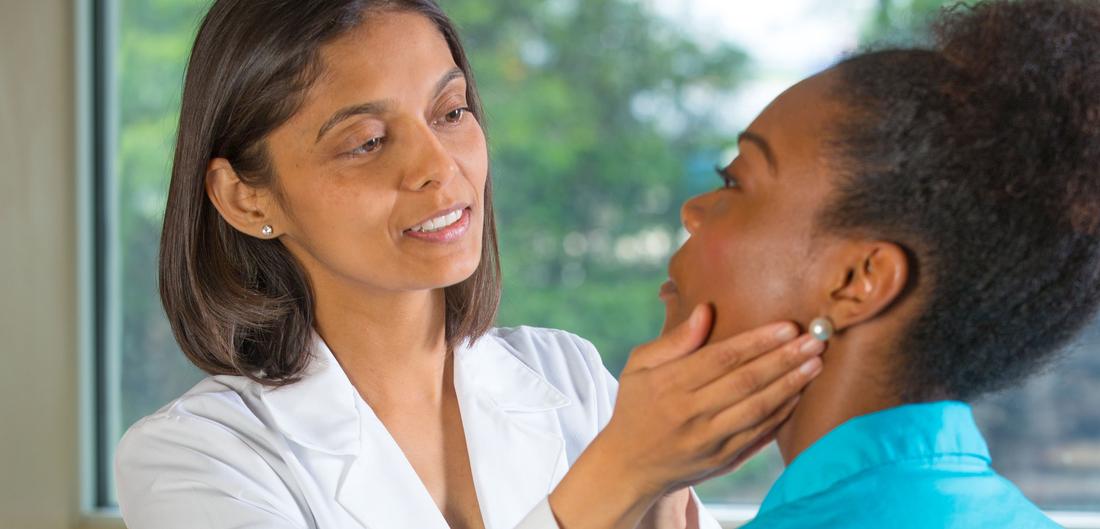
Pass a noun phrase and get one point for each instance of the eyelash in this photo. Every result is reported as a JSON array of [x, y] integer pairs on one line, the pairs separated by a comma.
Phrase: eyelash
[[462, 111], [728, 181], [373, 144], [358, 151]]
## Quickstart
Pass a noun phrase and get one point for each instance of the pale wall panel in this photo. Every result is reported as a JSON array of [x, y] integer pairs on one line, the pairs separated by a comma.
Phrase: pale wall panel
[[38, 325]]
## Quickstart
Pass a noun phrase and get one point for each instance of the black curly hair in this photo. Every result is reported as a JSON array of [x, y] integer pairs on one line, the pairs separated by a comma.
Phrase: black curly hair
[[980, 155]]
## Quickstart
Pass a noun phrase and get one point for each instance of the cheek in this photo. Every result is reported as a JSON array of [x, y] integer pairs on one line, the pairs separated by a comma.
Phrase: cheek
[[342, 220], [346, 202], [472, 153], [753, 278]]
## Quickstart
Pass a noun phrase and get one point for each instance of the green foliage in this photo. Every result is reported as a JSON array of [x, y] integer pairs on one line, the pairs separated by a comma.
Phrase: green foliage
[[574, 159], [902, 22]]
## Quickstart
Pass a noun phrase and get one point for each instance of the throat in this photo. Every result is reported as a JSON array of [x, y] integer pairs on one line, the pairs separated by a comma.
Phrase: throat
[[841, 393]]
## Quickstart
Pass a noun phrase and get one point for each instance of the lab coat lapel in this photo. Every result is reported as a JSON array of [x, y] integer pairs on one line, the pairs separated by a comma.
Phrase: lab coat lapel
[[339, 437], [516, 447], [381, 489]]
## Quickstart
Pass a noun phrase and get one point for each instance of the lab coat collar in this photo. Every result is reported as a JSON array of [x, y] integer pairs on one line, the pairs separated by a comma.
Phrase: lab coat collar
[[514, 440], [490, 368], [318, 411]]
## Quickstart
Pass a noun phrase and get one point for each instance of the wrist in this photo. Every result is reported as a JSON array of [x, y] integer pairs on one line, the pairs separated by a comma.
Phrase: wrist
[[603, 490]]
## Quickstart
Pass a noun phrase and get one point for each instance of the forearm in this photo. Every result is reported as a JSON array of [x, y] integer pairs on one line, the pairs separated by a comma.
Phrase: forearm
[[598, 492]]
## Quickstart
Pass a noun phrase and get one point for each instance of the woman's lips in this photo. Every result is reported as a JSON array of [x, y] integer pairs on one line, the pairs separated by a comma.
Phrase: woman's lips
[[449, 234], [668, 289]]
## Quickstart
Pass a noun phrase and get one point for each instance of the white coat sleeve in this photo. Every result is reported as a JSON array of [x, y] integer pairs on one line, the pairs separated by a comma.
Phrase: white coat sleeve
[[188, 473]]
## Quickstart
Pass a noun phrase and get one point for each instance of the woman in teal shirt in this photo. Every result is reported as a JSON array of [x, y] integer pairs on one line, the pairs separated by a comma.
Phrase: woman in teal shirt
[[934, 214]]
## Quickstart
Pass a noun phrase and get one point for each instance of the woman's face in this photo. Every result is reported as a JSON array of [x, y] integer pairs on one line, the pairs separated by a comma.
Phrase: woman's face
[[382, 171], [752, 248]]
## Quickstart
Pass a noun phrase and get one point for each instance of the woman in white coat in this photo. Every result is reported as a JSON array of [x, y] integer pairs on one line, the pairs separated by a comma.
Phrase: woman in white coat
[[329, 257]]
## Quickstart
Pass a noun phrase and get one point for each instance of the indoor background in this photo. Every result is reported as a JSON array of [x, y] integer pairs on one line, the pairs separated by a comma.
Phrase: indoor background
[[603, 116]]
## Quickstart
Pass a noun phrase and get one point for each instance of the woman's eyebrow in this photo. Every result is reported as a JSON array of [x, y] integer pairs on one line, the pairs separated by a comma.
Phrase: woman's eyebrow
[[455, 73], [764, 147], [374, 107], [381, 107]]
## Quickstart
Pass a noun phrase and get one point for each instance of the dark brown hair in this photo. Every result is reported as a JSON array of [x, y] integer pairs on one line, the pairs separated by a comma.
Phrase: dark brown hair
[[981, 155], [242, 305]]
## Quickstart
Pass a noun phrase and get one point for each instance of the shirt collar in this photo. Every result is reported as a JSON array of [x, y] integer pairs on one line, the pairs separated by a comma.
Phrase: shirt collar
[[928, 434], [319, 410]]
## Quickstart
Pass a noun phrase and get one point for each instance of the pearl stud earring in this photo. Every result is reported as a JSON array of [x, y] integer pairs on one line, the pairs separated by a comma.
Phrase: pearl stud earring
[[822, 328], [267, 230]]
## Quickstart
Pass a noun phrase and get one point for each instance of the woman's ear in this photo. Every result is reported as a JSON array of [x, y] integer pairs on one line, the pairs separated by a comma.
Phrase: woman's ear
[[248, 209], [872, 278]]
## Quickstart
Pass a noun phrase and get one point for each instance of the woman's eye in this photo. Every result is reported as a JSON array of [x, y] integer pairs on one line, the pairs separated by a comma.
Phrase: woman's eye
[[456, 115], [371, 145], [728, 181]]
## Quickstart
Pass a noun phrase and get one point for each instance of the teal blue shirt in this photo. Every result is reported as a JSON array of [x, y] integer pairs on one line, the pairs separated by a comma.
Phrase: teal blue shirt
[[914, 466]]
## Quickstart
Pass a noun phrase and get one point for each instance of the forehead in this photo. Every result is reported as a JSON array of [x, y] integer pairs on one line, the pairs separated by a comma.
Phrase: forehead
[[796, 122], [389, 51]]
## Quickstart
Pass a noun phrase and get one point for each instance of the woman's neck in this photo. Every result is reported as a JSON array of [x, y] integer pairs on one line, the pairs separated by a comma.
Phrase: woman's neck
[[857, 380], [391, 344]]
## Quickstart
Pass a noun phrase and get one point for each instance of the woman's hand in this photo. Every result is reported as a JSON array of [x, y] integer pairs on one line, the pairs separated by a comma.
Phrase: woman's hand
[[685, 414]]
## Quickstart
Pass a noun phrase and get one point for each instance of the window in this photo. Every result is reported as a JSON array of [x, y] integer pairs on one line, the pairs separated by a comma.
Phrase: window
[[607, 143]]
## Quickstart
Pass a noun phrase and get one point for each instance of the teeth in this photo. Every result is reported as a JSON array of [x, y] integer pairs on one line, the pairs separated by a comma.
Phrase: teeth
[[439, 222]]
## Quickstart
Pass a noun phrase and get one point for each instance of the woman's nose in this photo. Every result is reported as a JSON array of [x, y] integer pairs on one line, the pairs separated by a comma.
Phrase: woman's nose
[[691, 213], [431, 163]]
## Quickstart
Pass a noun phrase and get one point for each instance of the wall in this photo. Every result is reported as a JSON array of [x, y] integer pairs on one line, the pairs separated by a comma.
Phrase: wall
[[39, 441]]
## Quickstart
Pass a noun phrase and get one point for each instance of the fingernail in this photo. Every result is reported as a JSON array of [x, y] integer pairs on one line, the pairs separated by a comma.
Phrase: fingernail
[[812, 347], [811, 367], [787, 333]]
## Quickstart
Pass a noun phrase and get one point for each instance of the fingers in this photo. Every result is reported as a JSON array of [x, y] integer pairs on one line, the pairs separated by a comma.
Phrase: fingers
[[733, 386], [681, 340], [756, 413], [718, 359], [740, 452]]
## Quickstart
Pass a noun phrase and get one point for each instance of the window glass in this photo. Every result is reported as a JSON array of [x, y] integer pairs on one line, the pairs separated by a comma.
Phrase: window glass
[[604, 116]]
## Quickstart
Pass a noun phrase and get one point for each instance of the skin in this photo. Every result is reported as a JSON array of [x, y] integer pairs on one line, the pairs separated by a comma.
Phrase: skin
[[347, 193], [754, 253]]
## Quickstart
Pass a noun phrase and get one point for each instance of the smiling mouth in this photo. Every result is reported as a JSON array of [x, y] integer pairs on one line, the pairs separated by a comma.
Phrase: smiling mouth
[[445, 227], [438, 223]]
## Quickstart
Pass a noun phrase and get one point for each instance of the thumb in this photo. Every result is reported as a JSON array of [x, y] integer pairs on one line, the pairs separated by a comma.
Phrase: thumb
[[682, 339]]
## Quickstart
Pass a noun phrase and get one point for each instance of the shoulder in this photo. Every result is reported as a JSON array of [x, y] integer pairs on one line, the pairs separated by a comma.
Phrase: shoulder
[[204, 445], [210, 428], [216, 405], [912, 500]]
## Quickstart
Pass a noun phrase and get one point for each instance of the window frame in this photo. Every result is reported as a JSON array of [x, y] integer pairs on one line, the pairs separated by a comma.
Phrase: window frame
[[96, 36]]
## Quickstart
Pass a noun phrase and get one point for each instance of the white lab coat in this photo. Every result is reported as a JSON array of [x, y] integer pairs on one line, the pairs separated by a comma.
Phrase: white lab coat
[[231, 453]]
